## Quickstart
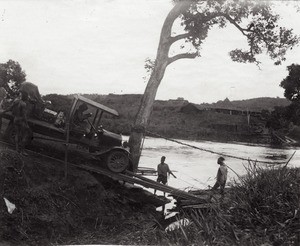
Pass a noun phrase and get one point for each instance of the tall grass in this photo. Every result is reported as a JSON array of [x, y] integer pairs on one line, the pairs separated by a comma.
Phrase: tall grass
[[262, 208], [267, 202]]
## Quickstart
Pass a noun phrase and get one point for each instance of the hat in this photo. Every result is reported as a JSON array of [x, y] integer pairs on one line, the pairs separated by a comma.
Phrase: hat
[[220, 160]]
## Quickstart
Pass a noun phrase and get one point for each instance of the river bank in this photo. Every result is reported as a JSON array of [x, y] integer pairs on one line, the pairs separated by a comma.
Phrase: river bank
[[86, 209]]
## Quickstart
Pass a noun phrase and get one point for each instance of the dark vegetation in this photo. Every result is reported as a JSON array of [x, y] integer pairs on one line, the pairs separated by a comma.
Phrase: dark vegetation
[[287, 119], [260, 209]]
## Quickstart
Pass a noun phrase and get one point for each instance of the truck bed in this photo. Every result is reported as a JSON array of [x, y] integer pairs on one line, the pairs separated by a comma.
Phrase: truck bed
[[39, 126]]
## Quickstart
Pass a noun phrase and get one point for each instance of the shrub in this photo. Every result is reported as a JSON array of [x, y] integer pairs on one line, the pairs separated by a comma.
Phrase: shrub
[[260, 208]]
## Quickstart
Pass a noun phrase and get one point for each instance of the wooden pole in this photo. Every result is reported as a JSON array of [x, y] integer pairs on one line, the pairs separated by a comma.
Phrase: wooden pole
[[67, 148], [289, 159]]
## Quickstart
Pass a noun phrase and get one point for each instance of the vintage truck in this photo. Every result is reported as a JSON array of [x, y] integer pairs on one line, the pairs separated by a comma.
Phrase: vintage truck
[[102, 144]]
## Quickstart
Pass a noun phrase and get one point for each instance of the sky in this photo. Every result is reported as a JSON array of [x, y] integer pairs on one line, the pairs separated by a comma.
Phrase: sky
[[100, 46]]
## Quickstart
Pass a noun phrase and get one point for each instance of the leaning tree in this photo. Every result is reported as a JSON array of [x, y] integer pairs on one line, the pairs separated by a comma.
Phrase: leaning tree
[[255, 20]]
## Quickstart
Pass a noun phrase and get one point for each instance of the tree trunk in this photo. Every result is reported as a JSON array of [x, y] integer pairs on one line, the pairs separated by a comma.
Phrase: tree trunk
[[161, 63], [142, 119]]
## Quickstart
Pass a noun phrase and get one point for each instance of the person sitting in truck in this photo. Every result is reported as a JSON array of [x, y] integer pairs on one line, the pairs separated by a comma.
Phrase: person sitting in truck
[[80, 119], [60, 120]]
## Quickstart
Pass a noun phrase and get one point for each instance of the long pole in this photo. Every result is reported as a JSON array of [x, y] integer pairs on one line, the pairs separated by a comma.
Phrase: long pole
[[67, 148], [289, 159]]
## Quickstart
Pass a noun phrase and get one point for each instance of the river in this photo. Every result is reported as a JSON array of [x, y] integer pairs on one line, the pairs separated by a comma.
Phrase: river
[[196, 169]]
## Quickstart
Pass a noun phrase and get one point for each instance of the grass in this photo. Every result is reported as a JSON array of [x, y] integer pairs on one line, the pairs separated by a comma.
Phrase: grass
[[260, 209]]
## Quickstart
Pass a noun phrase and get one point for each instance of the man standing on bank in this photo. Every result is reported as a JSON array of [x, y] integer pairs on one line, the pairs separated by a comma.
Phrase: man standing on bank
[[221, 176], [163, 171]]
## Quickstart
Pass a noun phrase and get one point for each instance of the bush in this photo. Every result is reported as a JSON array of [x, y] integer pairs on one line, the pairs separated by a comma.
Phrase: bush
[[267, 202], [260, 208]]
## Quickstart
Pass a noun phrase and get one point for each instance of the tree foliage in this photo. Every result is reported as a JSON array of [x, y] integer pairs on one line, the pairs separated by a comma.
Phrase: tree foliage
[[254, 19], [11, 76], [282, 116], [291, 83], [292, 113]]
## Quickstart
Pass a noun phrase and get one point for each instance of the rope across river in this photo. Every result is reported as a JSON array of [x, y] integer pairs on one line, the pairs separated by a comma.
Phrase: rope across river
[[214, 152]]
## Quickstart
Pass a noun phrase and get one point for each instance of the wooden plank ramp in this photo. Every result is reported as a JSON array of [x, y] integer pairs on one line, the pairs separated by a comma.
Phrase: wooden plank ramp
[[176, 193], [133, 178]]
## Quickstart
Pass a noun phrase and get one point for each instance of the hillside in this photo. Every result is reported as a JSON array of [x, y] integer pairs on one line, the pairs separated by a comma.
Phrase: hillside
[[133, 100], [168, 119]]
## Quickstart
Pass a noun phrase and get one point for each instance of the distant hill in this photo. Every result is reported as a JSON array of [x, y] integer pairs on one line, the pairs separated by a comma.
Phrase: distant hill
[[133, 100], [254, 104]]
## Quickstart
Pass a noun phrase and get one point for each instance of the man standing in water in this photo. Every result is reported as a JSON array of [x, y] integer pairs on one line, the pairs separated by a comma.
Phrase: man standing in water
[[163, 171], [221, 176], [20, 124]]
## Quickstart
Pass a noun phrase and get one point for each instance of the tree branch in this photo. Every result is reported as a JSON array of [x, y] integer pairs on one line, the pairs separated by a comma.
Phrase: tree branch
[[205, 18], [177, 10], [181, 56], [180, 36], [165, 36], [232, 21]]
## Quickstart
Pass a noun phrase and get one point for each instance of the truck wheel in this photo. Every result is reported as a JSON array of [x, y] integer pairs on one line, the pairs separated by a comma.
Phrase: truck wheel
[[117, 161]]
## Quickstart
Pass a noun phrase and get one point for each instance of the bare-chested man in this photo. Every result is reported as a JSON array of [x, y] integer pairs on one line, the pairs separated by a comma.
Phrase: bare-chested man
[[163, 171], [22, 129]]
